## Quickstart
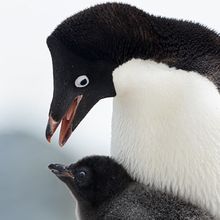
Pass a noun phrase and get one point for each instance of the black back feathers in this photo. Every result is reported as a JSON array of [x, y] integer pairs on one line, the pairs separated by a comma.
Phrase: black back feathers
[[118, 32]]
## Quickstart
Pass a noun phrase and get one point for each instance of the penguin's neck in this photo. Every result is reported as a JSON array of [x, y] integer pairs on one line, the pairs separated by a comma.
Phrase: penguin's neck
[[166, 130]]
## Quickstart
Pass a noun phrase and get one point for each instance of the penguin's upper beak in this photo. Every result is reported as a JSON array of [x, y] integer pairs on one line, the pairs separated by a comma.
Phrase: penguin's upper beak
[[66, 122], [60, 170]]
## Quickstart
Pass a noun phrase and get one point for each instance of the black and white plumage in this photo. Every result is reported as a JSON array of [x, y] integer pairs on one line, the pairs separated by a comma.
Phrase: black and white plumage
[[104, 190], [164, 77]]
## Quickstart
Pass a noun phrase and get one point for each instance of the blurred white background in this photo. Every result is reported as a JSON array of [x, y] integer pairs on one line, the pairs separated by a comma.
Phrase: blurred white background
[[25, 96]]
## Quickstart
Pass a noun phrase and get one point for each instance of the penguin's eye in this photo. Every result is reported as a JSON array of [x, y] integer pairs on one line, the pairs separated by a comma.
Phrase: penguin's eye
[[81, 174], [81, 81]]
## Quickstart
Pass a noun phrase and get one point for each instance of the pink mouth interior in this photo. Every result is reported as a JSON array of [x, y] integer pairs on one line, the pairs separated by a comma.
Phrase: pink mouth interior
[[66, 125]]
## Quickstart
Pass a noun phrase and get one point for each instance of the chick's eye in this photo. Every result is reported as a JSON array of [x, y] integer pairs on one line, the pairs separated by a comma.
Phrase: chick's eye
[[82, 174], [81, 81]]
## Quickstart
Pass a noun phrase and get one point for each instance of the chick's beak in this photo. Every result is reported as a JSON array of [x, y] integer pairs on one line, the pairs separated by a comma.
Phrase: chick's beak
[[60, 170]]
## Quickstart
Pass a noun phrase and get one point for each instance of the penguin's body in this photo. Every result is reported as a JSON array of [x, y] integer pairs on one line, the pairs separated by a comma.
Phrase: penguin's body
[[105, 191], [184, 104], [164, 77]]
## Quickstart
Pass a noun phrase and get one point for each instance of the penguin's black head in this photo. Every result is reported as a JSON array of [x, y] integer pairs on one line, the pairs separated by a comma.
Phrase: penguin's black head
[[79, 84], [85, 50], [93, 179]]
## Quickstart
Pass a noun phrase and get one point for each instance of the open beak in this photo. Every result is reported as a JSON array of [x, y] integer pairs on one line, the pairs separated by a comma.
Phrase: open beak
[[60, 170], [66, 123]]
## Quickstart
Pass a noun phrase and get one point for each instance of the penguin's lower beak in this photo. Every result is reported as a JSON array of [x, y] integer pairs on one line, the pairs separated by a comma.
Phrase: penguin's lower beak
[[60, 170], [66, 123]]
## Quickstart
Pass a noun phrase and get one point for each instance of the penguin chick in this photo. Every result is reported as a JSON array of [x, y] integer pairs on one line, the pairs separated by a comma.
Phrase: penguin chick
[[104, 190]]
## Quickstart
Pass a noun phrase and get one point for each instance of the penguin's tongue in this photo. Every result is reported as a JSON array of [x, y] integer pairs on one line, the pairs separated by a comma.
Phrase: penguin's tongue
[[66, 124]]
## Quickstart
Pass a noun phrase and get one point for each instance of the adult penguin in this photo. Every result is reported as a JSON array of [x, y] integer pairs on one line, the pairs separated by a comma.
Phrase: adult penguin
[[164, 77]]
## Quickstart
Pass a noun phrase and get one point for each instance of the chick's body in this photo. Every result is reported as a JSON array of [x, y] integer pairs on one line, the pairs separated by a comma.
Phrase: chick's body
[[104, 190]]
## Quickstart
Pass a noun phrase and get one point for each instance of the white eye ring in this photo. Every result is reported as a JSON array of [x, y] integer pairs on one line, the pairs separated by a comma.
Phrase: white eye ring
[[81, 81]]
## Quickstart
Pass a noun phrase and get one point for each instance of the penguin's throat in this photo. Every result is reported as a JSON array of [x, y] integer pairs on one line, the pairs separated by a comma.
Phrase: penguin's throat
[[166, 130]]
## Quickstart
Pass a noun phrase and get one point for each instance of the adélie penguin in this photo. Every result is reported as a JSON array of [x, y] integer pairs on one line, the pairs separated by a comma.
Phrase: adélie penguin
[[164, 77], [104, 190]]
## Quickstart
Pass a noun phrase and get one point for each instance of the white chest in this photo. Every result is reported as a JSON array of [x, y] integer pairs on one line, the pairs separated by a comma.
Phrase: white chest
[[166, 130]]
